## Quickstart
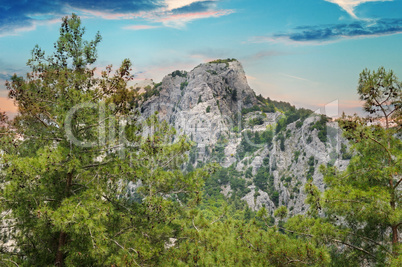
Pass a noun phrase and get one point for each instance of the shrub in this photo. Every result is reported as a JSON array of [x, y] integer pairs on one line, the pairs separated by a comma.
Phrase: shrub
[[183, 85]]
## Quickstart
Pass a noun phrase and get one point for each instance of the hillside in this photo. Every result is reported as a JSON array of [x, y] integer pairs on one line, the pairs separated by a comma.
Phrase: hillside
[[268, 149]]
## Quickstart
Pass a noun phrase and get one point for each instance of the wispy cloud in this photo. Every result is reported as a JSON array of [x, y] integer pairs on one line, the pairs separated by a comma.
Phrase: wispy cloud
[[195, 6], [178, 4], [261, 55], [350, 5], [18, 17], [335, 32], [296, 77], [180, 20]]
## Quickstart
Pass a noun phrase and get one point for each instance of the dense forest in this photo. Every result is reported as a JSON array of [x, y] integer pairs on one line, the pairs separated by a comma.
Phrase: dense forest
[[81, 188]]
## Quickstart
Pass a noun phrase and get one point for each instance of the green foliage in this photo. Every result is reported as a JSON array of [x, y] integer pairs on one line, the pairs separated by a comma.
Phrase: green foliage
[[248, 100], [76, 205], [199, 99], [259, 120], [281, 213], [269, 108], [208, 109], [296, 155], [252, 109], [183, 85], [224, 177], [362, 204], [281, 124], [218, 152], [235, 243], [226, 61], [234, 95], [321, 126], [213, 72], [382, 93], [345, 154], [179, 73], [311, 168], [281, 139], [264, 180], [153, 92], [71, 202], [252, 141], [291, 115], [280, 105]]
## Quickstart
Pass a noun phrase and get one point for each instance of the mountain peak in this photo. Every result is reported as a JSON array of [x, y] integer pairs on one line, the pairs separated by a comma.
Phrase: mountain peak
[[212, 92]]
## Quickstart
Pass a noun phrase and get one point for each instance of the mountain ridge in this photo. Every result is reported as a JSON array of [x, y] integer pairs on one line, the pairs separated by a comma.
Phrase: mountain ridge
[[269, 147]]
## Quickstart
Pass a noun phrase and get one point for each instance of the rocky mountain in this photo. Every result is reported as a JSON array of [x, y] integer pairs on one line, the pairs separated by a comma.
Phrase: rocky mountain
[[268, 149]]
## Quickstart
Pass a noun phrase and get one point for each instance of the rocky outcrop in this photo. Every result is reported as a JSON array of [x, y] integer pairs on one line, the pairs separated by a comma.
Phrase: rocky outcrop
[[202, 103], [206, 104]]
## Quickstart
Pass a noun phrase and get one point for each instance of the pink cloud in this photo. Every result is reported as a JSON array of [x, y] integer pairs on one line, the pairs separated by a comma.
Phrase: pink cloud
[[161, 15], [174, 4], [179, 20]]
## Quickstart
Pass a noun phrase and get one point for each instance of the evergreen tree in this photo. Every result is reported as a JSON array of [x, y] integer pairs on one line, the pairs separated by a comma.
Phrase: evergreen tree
[[362, 205], [226, 241], [86, 182]]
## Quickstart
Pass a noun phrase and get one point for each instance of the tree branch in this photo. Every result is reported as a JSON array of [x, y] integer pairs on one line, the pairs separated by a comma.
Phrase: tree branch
[[334, 240], [195, 226]]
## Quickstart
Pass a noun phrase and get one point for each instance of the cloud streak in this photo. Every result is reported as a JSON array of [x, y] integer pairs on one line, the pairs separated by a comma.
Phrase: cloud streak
[[295, 77], [19, 17], [195, 6], [350, 5], [336, 32], [180, 20]]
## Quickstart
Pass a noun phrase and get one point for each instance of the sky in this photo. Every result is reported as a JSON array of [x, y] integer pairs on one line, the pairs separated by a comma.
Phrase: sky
[[309, 53]]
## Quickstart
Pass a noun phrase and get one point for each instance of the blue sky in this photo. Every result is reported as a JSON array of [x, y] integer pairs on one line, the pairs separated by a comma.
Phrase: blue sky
[[309, 52]]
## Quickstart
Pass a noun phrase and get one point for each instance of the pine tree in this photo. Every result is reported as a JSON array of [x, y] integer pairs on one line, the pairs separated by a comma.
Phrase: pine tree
[[362, 205], [86, 181]]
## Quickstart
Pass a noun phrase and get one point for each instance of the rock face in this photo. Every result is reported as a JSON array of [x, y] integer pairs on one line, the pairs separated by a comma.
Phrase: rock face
[[206, 104], [202, 103]]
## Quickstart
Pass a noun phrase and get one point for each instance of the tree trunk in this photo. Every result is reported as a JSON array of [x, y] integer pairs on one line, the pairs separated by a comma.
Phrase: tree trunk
[[60, 254], [395, 238], [63, 236]]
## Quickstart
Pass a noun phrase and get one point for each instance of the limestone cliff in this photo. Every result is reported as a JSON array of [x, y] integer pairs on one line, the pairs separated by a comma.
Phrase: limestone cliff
[[215, 107]]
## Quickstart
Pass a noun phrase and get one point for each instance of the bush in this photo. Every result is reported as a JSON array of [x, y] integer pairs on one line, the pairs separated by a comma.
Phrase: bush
[[179, 73], [281, 139], [226, 61], [250, 140], [208, 109], [259, 120], [234, 95], [183, 85], [321, 126]]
